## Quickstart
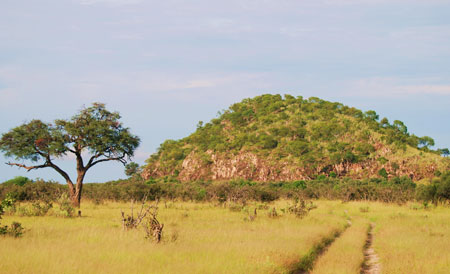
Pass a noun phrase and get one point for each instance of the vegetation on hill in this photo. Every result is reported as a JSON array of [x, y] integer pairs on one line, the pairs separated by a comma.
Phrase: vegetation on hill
[[270, 138]]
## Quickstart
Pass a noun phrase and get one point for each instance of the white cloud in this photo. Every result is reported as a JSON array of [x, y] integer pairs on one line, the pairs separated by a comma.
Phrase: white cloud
[[100, 84], [140, 155], [7, 97], [296, 32], [424, 89], [128, 36], [111, 2], [395, 87], [378, 2]]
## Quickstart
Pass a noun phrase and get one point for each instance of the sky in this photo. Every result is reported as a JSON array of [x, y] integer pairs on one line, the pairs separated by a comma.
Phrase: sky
[[165, 65]]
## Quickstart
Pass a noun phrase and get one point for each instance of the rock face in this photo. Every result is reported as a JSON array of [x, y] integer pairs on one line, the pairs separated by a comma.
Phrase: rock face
[[249, 166], [245, 165], [271, 138]]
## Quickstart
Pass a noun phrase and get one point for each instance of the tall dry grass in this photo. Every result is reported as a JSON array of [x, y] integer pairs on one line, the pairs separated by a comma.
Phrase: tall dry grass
[[345, 255], [203, 238], [412, 241], [199, 238]]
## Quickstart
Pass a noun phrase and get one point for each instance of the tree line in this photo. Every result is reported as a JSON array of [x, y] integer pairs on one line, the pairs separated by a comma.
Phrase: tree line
[[394, 190]]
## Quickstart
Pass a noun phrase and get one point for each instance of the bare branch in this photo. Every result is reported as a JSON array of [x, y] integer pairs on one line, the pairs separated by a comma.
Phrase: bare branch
[[60, 171], [91, 160], [92, 163], [28, 168]]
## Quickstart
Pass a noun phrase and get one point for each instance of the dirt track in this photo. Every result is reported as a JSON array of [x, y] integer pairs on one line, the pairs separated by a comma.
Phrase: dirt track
[[371, 260]]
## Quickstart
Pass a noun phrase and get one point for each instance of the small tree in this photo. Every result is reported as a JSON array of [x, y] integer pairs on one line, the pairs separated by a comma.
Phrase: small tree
[[444, 152], [426, 142], [94, 130], [383, 173]]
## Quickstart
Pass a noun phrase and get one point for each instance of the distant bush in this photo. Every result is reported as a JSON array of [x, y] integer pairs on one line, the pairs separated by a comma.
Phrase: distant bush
[[18, 181], [383, 173], [437, 191], [15, 230], [33, 191], [395, 190]]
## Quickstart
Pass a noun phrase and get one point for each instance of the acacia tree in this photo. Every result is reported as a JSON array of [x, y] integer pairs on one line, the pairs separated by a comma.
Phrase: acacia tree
[[94, 131]]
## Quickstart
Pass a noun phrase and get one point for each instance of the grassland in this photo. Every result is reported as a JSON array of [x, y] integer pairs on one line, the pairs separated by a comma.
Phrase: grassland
[[345, 254], [205, 238]]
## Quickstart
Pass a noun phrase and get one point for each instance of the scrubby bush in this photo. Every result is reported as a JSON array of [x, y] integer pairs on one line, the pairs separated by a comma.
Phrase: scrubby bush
[[15, 230], [9, 203], [33, 191], [18, 181], [300, 208], [37, 208], [437, 191], [395, 190], [65, 206]]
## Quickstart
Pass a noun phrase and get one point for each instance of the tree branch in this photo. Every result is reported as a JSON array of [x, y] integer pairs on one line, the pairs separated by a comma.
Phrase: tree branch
[[120, 159], [28, 168], [80, 165], [91, 160], [60, 171]]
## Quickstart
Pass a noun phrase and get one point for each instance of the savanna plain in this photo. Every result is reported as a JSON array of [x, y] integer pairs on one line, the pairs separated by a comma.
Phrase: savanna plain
[[224, 238]]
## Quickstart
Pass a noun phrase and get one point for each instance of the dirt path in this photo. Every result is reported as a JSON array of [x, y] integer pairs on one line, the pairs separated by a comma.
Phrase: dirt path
[[371, 260], [306, 263]]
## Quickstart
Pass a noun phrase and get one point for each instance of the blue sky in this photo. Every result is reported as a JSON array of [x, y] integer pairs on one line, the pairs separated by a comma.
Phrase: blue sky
[[165, 65]]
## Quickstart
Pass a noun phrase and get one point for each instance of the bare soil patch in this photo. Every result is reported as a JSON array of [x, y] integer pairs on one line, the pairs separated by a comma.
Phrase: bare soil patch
[[371, 263]]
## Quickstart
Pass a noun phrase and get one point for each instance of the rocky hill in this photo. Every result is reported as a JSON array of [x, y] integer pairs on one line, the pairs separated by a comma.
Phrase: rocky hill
[[275, 138]]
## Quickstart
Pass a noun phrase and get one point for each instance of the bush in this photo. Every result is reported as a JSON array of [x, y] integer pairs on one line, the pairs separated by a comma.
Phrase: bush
[[37, 208], [383, 173], [18, 181], [33, 191], [398, 190], [437, 191], [300, 208], [9, 203], [16, 229], [65, 206]]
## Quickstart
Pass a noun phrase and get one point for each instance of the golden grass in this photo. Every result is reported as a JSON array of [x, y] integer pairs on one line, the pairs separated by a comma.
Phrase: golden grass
[[407, 240], [413, 241], [215, 240], [210, 240], [345, 255]]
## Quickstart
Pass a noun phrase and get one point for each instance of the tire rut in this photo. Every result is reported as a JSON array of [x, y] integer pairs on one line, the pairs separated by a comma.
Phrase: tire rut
[[306, 264], [371, 263]]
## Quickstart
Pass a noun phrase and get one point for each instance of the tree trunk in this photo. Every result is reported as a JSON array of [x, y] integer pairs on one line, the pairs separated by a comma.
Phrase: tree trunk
[[72, 193], [75, 191], [76, 199]]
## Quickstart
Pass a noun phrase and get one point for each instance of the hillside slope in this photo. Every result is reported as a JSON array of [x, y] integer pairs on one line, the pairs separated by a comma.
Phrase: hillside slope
[[275, 138]]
